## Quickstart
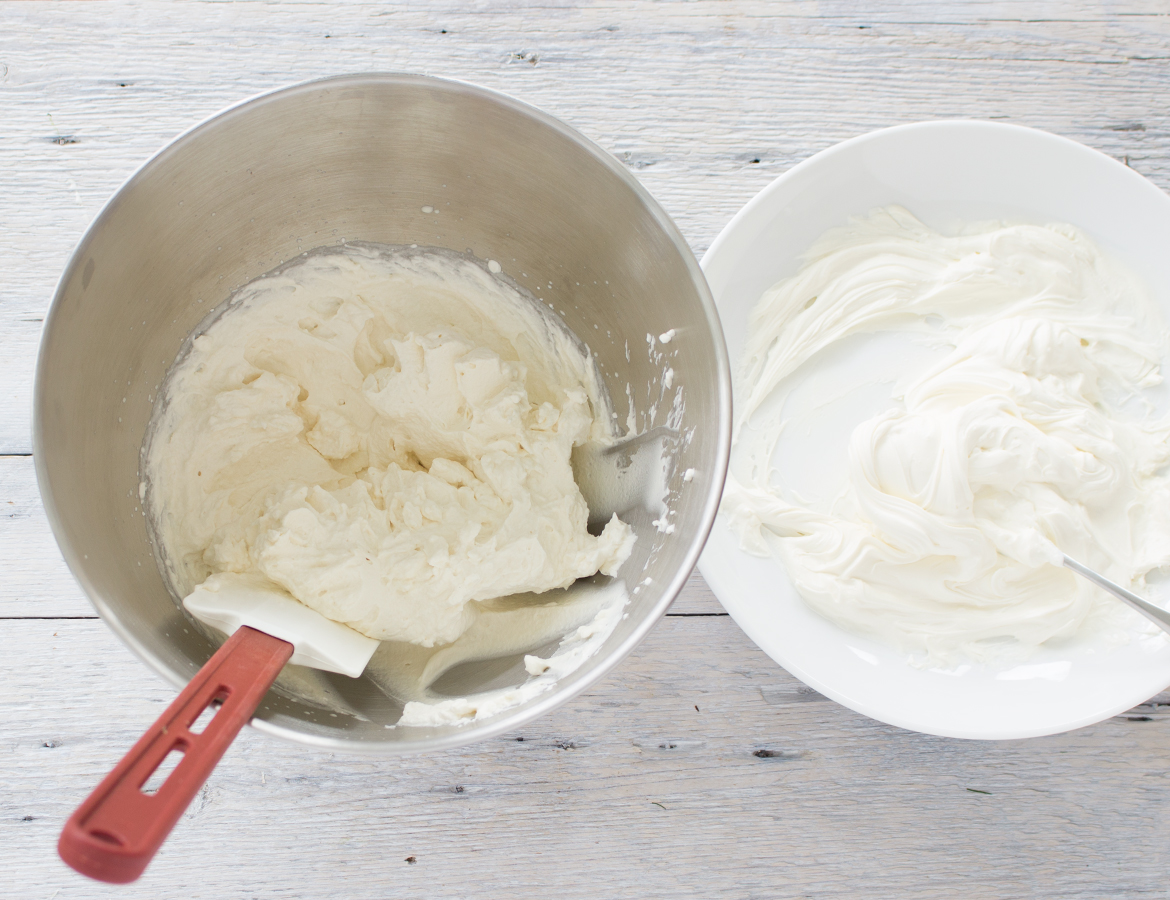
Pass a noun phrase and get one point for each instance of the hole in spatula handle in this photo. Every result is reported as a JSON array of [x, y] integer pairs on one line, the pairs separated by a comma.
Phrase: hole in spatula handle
[[159, 776], [204, 719], [120, 826]]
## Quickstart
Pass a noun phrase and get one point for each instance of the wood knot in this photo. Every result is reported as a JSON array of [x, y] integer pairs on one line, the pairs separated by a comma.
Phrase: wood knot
[[765, 753]]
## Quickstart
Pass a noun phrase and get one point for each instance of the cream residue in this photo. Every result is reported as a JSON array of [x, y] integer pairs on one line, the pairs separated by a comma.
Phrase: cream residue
[[1028, 437], [386, 436], [583, 625]]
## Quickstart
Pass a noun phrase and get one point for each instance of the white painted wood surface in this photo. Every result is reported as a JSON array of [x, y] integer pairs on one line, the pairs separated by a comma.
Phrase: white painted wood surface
[[699, 768]]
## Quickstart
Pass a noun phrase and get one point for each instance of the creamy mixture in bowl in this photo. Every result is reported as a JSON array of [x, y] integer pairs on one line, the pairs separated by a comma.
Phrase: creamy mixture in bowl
[[1027, 432], [385, 435]]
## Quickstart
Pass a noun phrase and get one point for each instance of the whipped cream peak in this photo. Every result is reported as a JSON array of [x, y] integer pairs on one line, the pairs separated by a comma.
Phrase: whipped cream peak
[[1026, 436]]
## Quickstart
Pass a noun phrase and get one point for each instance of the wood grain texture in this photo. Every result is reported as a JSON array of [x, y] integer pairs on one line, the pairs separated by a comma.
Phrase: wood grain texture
[[705, 101], [699, 767], [35, 580]]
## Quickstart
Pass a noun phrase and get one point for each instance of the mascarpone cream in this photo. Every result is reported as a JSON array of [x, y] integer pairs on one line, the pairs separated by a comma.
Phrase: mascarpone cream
[[386, 436]]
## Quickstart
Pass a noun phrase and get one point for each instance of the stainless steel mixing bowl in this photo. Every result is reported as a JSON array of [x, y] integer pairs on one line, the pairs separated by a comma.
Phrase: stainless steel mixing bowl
[[394, 159]]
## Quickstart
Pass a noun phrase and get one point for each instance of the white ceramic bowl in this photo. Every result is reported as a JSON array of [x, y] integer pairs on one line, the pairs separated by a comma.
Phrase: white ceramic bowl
[[946, 173]]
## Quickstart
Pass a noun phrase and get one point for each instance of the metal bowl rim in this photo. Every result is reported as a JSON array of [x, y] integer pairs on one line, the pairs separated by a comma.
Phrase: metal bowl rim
[[550, 699]]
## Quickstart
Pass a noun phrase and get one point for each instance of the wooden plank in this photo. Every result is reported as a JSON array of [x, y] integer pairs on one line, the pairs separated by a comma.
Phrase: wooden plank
[[705, 101], [37, 582], [629, 791], [697, 768], [696, 599]]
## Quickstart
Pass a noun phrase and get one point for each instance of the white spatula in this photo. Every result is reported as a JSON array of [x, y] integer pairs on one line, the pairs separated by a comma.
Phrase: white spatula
[[114, 834]]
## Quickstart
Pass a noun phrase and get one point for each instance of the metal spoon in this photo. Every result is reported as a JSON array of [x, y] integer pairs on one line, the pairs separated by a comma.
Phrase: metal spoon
[[1155, 614]]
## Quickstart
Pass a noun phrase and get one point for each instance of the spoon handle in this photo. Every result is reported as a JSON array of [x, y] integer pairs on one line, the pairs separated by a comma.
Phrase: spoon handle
[[1155, 614], [117, 830]]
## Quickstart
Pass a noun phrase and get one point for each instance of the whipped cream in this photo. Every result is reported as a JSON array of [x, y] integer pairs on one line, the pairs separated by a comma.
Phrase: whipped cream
[[1029, 431], [386, 436]]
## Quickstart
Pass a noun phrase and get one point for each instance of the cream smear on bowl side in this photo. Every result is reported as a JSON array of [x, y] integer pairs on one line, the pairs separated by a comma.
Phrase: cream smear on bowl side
[[1024, 422], [385, 434]]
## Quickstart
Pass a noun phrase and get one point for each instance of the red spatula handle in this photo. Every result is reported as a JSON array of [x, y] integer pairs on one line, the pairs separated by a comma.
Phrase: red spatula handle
[[118, 829]]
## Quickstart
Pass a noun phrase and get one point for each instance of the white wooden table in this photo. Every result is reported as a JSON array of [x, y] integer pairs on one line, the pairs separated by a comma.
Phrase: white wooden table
[[699, 767]]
